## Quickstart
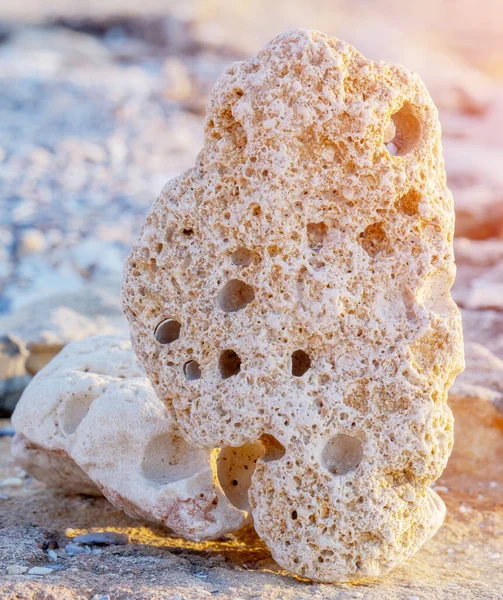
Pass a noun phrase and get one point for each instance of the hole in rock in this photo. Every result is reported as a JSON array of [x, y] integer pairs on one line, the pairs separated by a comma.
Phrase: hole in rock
[[300, 363], [373, 239], [74, 410], [167, 331], [229, 364], [316, 233], [404, 132], [192, 370], [168, 458], [242, 257], [409, 203], [235, 467], [235, 295], [342, 454]]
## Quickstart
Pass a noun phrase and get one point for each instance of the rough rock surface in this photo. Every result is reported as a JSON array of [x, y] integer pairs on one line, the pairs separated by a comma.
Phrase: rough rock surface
[[289, 296], [90, 421]]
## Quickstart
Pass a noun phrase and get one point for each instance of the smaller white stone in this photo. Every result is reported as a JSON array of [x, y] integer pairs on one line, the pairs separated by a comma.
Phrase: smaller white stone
[[40, 571], [11, 482], [16, 570]]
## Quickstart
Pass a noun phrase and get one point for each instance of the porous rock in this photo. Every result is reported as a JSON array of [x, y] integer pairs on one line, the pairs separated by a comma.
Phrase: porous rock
[[90, 422], [289, 299]]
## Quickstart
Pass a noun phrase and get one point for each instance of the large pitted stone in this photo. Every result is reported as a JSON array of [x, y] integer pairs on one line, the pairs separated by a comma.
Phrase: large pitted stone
[[90, 421], [289, 299]]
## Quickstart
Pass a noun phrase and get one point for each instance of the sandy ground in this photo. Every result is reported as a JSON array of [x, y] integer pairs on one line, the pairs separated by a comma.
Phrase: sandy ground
[[462, 562]]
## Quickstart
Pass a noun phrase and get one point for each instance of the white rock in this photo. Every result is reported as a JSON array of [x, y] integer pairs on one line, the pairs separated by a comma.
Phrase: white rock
[[90, 420], [40, 571]]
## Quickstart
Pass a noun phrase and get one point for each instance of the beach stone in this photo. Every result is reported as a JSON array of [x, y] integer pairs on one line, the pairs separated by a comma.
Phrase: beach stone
[[289, 299], [89, 422], [46, 326], [13, 375]]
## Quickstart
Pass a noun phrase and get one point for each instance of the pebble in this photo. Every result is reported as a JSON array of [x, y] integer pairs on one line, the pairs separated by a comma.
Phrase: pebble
[[11, 482], [72, 549], [102, 538], [98, 597], [53, 557], [7, 431], [16, 570], [40, 571]]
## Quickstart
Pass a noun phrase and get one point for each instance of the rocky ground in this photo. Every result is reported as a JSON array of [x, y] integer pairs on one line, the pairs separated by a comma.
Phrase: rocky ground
[[98, 108], [463, 561]]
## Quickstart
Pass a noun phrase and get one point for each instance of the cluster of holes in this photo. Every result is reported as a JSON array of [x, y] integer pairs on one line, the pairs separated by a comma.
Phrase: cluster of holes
[[229, 362]]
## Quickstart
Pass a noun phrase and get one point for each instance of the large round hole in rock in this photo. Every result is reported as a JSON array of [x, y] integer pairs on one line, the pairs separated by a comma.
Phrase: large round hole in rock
[[404, 132], [167, 331], [300, 363], [168, 458], [235, 295], [235, 467], [229, 364], [192, 370], [242, 257], [74, 411], [342, 454]]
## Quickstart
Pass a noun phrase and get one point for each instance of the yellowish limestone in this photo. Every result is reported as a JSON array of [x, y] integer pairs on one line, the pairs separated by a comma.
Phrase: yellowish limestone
[[289, 298]]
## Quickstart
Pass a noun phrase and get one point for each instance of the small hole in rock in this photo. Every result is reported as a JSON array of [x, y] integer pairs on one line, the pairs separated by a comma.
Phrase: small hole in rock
[[342, 454], [235, 295], [373, 239], [167, 331], [187, 231], [192, 370], [300, 363], [404, 132], [294, 515], [316, 233], [242, 257], [229, 364], [409, 203]]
